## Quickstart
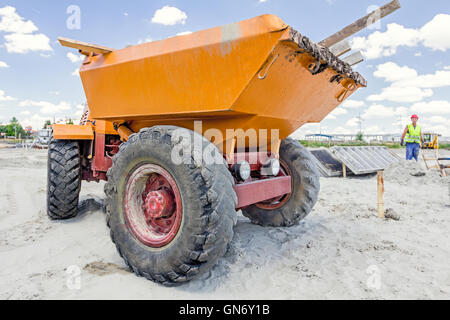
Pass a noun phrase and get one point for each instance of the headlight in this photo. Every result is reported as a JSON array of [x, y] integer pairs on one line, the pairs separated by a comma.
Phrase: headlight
[[271, 168], [242, 170]]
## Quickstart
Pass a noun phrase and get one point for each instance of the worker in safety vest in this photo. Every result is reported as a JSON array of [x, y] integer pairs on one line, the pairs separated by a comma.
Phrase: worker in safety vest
[[414, 138]]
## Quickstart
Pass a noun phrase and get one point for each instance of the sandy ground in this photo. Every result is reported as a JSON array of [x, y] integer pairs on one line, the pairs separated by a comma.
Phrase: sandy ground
[[341, 251]]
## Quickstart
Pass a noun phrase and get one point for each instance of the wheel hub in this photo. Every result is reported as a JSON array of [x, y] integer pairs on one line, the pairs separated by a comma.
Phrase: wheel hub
[[153, 207], [159, 204]]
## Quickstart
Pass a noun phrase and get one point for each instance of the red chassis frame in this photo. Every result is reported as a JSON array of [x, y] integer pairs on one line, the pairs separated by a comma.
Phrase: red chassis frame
[[250, 192]]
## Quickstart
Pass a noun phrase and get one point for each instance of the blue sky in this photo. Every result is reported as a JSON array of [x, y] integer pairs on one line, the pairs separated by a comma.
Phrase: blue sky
[[407, 54]]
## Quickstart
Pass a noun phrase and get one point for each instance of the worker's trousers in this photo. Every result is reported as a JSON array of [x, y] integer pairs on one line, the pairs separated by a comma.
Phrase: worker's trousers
[[412, 151]]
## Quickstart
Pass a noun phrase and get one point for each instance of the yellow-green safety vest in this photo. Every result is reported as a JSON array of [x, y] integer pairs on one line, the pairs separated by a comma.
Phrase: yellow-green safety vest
[[413, 135]]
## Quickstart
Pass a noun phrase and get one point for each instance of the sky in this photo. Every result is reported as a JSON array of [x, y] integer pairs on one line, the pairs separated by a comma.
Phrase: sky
[[407, 54]]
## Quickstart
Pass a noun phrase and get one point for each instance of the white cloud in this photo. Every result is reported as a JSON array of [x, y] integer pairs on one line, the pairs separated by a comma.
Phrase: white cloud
[[148, 39], [440, 78], [184, 33], [434, 35], [401, 94], [262, 1], [341, 130], [406, 84], [47, 107], [12, 22], [438, 107], [76, 73], [24, 43], [441, 129], [169, 16], [418, 54], [353, 123], [384, 44], [25, 113], [378, 111], [401, 111], [391, 72], [35, 121], [353, 104], [80, 110], [338, 112], [4, 97], [74, 58], [373, 130], [20, 37], [438, 119], [3, 64]]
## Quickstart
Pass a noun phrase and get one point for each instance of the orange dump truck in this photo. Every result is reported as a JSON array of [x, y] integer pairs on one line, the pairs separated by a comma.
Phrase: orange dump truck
[[189, 130]]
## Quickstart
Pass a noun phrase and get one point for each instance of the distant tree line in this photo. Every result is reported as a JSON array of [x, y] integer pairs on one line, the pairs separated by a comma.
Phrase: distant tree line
[[13, 129]]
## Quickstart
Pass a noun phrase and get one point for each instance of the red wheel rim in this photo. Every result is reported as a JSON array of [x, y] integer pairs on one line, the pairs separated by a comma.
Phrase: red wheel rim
[[153, 208], [276, 203]]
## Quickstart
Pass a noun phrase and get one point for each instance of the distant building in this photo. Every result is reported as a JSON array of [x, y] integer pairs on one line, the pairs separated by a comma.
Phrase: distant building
[[395, 138], [319, 137]]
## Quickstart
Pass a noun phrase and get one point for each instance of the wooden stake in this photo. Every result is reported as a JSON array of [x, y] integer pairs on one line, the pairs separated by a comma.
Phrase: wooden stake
[[380, 180], [344, 170], [361, 24]]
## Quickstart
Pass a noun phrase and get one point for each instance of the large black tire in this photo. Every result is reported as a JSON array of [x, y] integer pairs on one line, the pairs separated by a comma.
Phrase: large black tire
[[305, 189], [208, 209], [64, 179]]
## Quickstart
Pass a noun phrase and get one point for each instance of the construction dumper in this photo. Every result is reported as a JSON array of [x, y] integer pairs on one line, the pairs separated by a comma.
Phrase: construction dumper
[[430, 140], [188, 130]]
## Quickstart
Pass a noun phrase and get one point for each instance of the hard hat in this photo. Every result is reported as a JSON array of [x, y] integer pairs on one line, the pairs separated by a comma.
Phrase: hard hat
[[415, 116]]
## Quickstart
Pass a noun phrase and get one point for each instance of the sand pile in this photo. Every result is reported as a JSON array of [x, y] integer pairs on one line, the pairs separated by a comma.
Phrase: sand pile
[[406, 172], [21, 158], [341, 251]]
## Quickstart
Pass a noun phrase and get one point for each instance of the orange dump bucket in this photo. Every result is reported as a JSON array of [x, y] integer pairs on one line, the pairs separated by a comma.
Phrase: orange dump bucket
[[255, 74]]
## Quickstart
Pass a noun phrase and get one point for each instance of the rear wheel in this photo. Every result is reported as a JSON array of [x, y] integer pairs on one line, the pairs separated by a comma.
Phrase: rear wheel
[[64, 179], [170, 222], [290, 209]]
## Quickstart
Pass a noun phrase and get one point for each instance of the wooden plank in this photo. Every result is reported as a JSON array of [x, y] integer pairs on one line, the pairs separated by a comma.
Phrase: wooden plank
[[380, 182], [84, 47], [354, 58], [340, 48], [425, 160], [361, 24]]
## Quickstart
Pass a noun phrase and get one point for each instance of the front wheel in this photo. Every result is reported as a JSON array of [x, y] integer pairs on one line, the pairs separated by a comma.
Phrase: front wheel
[[64, 179], [290, 209], [170, 222]]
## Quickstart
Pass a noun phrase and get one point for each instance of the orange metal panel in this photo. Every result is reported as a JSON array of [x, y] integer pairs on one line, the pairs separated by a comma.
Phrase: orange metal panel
[[289, 91], [256, 74], [204, 71], [72, 132], [104, 127]]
